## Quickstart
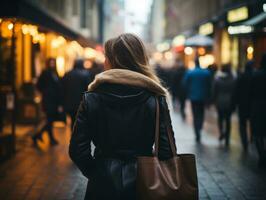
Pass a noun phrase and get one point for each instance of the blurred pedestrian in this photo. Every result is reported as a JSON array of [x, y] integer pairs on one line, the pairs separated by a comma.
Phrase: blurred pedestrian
[[242, 100], [178, 73], [198, 85], [258, 110], [118, 115], [223, 94], [49, 86], [74, 84]]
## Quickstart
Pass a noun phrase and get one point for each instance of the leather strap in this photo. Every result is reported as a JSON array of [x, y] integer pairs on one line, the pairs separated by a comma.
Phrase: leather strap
[[168, 130], [157, 127]]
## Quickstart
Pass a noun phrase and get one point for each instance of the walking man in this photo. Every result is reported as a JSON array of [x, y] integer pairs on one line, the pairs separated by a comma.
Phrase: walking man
[[75, 83], [198, 83]]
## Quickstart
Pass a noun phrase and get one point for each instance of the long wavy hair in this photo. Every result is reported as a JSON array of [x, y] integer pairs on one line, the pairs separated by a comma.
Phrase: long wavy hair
[[127, 51]]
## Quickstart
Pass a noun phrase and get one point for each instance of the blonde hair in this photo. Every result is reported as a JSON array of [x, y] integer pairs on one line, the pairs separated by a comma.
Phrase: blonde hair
[[127, 51]]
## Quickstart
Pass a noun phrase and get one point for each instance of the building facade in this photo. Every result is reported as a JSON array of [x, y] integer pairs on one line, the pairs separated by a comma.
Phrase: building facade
[[221, 20]]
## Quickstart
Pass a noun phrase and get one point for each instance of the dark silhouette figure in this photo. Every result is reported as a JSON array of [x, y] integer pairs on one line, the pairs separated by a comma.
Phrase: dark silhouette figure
[[118, 116], [74, 84], [49, 86], [223, 94], [178, 72], [258, 110], [198, 84], [242, 100]]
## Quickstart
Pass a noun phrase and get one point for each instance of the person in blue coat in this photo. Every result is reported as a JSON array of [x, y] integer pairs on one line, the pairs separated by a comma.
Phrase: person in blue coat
[[197, 83]]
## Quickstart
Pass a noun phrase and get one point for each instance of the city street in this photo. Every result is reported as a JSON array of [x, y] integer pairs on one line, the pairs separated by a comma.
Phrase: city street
[[48, 173]]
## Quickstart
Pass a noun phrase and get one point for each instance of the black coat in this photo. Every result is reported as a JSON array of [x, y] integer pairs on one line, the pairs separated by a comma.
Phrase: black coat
[[74, 84], [258, 103], [242, 94], [49, 86], [223, 91], [120, 121]]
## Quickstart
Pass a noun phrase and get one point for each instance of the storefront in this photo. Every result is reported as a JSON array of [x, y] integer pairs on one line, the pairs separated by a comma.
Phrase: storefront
[[244, 37], [28, 37]]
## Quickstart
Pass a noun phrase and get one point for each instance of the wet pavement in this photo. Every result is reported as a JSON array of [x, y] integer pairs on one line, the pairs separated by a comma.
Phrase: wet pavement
[[47, 173]]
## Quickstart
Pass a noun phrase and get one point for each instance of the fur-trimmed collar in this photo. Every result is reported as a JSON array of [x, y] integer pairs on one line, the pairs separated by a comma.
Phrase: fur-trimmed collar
[[127, 77]]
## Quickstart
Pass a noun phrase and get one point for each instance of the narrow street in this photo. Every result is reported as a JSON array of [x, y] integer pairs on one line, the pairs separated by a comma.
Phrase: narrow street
[[48, 173]]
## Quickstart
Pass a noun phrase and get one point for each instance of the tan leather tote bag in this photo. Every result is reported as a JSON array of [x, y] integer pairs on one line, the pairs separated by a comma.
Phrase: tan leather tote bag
[[172, 179]]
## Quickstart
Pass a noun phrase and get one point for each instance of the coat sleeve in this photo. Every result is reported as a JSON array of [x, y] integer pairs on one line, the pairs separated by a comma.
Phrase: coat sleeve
[[164, 144], [80, 143]]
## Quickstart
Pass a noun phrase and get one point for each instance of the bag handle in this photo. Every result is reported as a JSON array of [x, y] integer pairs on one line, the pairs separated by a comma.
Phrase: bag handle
[[168, 130]]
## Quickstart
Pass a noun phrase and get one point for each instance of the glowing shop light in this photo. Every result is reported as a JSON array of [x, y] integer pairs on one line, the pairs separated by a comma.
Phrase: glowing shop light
[[25, 29], [264, 7], [239, 29], [168, 55], [250, 51], [206, 60], [157, 56], [10, 26], [237, 14], [163, 46], [188, 51], [60, 65], [90, 53], [206, 29], [179, 40]]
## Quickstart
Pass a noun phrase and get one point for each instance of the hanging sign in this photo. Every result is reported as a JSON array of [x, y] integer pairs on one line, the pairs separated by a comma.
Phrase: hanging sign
[[238, 14]]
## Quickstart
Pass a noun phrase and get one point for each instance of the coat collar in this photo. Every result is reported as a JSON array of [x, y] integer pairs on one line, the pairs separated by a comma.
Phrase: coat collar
[[127, 77]]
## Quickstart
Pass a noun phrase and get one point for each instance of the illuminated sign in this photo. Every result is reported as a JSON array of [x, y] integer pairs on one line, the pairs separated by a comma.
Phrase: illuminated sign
[[239, 29], [237, 14], [206, 29]]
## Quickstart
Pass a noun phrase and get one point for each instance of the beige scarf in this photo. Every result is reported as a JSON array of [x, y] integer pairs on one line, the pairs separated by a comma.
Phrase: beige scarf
[[127, 77]]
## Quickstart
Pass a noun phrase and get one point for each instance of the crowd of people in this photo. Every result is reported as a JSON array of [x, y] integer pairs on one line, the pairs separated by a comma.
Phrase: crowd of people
[[242, 92], [228, 92]]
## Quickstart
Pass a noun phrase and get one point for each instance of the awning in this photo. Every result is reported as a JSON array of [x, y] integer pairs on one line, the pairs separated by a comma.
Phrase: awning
[[22, 9], [256, 20], [199, 41]]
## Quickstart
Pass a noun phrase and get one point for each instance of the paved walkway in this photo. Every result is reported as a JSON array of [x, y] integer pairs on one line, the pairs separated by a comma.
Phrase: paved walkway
[[48, 173]]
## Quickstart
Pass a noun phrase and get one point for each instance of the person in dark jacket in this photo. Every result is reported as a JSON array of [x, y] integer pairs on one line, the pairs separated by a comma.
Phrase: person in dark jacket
[[74, 84], [197, 83], [258, 110], [242, 101], [49, 86], [178, 73], [117, 114], [223, 93]]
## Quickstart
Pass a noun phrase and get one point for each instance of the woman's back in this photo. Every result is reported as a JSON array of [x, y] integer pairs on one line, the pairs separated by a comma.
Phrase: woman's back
[[118, 116]]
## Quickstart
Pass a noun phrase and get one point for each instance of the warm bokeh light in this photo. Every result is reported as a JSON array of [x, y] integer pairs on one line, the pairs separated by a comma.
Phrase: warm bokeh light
[[206, 61], [60, 65], [157, 56], [163, 47], [201, 51], [10, 26], [168, 55], [179, 41], [188, 51], [250, 51]]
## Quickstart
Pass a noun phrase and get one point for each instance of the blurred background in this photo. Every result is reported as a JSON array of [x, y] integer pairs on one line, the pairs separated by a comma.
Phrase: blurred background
[[175, 32]]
